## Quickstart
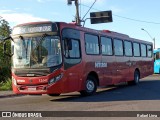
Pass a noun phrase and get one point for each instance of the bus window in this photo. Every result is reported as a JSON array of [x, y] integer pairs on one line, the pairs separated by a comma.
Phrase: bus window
[[118, 47], [136, 49], [74, 52], [128, 48], [143, 50], [149, 51], [106, 46], [92, 44]]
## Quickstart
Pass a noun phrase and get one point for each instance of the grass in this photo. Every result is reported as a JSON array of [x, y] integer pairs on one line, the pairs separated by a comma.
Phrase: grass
[[7, 85]]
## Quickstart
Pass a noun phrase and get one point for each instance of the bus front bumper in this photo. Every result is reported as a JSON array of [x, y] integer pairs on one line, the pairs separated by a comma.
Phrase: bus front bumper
[[38, 89]]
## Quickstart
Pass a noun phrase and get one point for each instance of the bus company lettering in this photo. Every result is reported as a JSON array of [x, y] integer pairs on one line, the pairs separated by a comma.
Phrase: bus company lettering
[[100, 64]]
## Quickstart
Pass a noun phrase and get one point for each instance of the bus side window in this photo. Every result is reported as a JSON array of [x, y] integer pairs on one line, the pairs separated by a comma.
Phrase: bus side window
[[128, 48], [143, 50], [136, 50], [92, 44], [71, 48], [106, 46], [149, 51], [118, 47]]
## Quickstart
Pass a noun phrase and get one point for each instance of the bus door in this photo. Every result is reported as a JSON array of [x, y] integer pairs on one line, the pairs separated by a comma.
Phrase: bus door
[[72, 58]]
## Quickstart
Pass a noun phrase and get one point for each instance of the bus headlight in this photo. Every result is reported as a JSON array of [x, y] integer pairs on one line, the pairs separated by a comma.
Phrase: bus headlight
[[55, 79], [14, 81]]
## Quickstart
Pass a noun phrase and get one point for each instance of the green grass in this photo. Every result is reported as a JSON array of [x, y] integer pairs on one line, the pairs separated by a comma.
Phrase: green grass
[[7, 85]]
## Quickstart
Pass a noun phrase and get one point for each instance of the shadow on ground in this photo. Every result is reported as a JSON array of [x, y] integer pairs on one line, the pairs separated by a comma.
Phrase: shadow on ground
[[146, 90]]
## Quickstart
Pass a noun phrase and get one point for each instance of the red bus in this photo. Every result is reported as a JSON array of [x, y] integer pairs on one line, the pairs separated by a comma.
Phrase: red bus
[[55, 57]]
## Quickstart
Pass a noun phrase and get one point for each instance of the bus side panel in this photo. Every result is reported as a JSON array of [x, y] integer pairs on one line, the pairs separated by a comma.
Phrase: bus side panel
[[123, 69], [147, 67], [109, 73], [135, 64], [73, 76], [90, 67]]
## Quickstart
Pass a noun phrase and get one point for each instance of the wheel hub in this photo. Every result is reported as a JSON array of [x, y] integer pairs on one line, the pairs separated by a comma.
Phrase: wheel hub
[[90, 85]]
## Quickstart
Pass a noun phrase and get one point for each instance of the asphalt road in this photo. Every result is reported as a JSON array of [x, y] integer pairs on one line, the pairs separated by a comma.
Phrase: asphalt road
[[143, 97]]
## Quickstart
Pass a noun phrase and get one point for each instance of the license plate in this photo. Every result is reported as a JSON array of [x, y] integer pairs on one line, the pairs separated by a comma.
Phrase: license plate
[[32, 89]]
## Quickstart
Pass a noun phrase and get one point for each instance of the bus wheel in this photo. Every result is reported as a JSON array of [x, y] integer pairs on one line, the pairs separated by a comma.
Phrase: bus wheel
[[90, 86], [54, 94], [136, 79]]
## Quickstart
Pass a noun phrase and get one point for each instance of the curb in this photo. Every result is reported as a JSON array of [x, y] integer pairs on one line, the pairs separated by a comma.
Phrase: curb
[[11, 95]]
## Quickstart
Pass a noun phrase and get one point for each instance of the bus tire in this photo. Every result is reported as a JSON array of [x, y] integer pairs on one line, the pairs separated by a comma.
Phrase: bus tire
[[90, 86], [136, 79], [54, 94]]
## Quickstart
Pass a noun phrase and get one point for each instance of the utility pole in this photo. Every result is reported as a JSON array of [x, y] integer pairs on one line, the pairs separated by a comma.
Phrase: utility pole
[[77, 19]]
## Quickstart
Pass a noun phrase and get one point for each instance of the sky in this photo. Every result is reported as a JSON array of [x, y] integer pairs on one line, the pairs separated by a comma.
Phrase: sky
[[129, 16]]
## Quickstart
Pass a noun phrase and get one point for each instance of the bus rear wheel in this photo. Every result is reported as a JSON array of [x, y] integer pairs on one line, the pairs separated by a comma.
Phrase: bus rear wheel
[[54, 94], [136, 79], [90, 86]]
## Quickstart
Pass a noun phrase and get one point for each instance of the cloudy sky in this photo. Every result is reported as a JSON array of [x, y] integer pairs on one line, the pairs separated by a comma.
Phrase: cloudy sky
[[129, 16]]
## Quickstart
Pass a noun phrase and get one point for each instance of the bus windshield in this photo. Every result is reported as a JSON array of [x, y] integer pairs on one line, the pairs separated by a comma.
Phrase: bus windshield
[[36, 52]]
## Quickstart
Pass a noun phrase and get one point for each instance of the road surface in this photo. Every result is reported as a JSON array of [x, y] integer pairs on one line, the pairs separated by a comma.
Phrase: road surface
[[142, 97]]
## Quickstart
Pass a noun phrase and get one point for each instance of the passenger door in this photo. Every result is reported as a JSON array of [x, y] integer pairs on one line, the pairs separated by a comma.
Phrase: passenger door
[[72, 58]]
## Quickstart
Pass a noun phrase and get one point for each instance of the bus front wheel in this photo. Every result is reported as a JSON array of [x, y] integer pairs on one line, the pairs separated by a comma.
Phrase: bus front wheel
[[90, 86]]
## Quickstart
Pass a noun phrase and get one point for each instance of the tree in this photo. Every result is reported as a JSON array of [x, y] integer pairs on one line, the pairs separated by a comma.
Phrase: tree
[[5, 61]]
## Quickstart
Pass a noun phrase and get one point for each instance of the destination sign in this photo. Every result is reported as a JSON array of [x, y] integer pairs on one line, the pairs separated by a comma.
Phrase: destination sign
[[35, 28]]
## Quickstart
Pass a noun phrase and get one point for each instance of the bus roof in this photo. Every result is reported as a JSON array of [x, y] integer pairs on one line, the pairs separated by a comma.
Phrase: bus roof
[[89, 30]]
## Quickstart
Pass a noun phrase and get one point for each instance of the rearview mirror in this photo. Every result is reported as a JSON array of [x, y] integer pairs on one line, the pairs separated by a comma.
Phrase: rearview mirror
[[68, 43], [5, 46]]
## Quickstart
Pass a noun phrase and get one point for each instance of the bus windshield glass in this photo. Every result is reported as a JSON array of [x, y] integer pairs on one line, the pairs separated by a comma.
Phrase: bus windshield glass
[[36, 52]]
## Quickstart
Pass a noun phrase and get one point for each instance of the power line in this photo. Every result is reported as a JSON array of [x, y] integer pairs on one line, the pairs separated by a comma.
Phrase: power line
[[136, 20], [89, 9], [142, 21]]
